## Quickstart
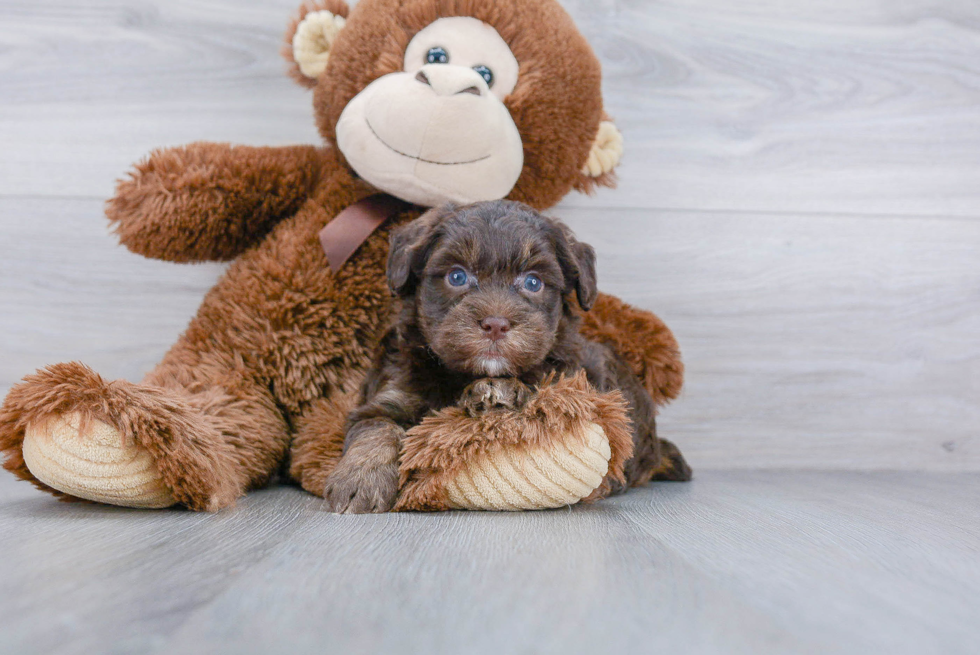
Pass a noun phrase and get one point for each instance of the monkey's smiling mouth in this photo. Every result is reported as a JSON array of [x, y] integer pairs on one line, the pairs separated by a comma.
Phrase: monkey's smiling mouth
[[427, 161]]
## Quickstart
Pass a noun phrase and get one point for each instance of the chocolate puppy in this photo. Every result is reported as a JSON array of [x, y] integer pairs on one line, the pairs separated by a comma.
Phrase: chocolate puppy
[[485, 314]]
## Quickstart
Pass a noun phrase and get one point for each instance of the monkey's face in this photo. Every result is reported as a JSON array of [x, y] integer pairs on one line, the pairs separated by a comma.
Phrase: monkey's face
[[487, 284], [438, 130], [436, 102]]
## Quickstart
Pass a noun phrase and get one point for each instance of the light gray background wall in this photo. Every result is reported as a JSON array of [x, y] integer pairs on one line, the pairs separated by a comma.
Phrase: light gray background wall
[[798, 200]]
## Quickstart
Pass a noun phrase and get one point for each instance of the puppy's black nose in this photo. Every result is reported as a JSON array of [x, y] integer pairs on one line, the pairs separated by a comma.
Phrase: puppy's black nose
[[495, 327]]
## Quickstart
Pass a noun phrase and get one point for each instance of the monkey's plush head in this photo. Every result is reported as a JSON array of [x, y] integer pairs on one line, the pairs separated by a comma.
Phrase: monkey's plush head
[[438, 101]]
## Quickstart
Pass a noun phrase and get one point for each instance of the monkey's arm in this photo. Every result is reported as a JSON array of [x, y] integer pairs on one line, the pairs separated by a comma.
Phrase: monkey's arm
[[211, 201], [642, 340]]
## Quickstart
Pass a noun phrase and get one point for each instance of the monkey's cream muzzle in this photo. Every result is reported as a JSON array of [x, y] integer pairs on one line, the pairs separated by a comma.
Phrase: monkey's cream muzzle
[[431, 136]]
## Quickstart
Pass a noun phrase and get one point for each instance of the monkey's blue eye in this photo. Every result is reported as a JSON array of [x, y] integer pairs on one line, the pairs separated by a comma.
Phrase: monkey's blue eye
[[485, 73], [456, 277], [533, 283], [437, 55]]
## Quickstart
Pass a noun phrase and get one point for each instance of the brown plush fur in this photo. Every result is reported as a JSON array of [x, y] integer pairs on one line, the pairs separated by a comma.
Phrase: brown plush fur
[[281, 339], [210, 201], [434, 451]]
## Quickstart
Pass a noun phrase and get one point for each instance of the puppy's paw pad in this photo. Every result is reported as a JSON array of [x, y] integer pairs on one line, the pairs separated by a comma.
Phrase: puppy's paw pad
[[362, 491], [494, 393]]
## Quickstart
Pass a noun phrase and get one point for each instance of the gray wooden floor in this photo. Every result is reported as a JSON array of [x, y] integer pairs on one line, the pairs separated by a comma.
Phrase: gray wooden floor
[[735, 562], [799, 200]]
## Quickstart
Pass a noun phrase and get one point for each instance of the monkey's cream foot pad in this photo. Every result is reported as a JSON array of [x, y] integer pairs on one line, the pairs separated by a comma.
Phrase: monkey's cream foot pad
[[534, 478], [90, 459]]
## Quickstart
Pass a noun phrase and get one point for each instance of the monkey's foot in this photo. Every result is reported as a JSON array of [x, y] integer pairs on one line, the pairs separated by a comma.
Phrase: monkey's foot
[[89, 459], [515, 478], [565, 444]]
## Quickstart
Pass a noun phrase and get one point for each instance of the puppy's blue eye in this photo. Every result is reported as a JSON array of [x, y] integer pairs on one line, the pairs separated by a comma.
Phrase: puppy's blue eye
[[456, 277], [533, 283], [437, 55], [485, 73]]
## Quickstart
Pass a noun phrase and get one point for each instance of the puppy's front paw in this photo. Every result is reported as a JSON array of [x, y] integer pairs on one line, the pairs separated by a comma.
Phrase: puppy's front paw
[[494, 393], [354, 489]]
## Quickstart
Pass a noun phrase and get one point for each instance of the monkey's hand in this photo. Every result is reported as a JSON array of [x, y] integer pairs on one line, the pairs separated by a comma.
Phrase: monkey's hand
[[488, 394], [211, 201]]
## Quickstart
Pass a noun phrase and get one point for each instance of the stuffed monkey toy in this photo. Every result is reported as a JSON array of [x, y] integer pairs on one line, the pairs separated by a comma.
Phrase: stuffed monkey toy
[[419, 102]]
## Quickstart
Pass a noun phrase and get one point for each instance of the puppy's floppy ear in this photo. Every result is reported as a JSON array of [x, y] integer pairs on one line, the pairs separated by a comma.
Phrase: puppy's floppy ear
[[409, 248], [577, 262]]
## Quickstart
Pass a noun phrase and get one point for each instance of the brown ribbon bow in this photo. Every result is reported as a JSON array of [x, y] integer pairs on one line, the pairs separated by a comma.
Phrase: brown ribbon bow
[[350, 228]]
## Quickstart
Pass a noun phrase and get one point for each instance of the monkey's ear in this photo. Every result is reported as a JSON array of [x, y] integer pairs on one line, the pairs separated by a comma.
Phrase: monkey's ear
[[310, 36], [409, 248], [577, 261], [605, 155]]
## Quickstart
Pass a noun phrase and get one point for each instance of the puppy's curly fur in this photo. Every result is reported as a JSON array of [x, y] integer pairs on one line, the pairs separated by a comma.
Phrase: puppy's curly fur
[[486, 314]]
